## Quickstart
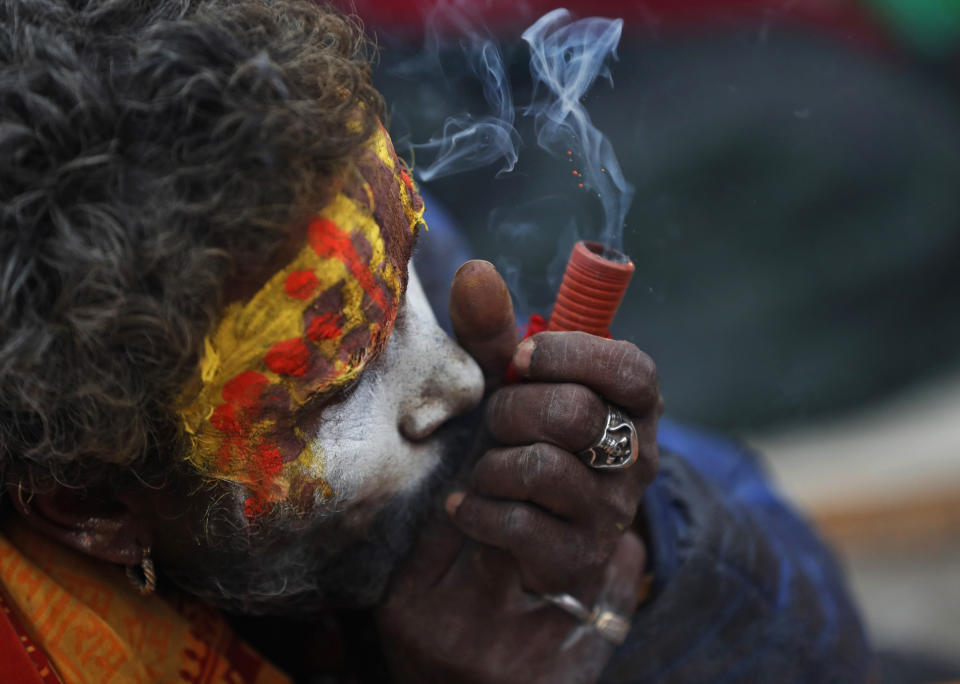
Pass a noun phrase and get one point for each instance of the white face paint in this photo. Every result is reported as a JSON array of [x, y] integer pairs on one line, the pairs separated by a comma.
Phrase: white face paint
[[380, 441]]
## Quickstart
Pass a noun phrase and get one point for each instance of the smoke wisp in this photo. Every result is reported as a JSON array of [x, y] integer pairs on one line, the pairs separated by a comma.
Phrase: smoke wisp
[[468, 142], [541, 211], [566, 58]]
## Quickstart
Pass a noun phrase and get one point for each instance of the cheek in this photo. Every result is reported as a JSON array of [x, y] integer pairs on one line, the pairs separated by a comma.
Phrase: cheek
[[366, 459]]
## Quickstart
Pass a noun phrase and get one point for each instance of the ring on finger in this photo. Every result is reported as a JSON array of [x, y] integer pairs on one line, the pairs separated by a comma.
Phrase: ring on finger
[[617, 447], [606, 623]]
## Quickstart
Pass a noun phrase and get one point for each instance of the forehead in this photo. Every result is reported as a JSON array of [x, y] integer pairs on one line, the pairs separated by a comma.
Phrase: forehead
[[381, 182], [377, 180]]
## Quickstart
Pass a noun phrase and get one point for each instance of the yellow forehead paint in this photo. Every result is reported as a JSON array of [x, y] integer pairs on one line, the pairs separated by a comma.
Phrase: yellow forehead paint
[[309, 331]]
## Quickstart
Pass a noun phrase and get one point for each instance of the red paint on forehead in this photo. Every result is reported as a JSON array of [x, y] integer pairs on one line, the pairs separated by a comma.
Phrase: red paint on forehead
[[301, 284], [406, 180], [269, 459], [245, 389], [224, 419], [264, 465], [324, 327], [329, 241], [260, 459], [289, 357]]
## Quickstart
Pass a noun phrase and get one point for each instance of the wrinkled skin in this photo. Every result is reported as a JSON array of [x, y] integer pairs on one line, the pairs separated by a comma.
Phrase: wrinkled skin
[[534, 520]]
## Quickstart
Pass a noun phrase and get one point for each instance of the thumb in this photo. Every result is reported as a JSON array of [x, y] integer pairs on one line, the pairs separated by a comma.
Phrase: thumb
[[482, 316]]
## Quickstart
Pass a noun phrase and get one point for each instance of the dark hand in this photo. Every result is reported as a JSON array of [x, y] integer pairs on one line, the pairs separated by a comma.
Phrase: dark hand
[[533, 497], [457, 612], [546, 522]]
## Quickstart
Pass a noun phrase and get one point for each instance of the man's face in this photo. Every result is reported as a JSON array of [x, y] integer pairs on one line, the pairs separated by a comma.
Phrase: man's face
[[275, 359], [386, 436], [320, 411]]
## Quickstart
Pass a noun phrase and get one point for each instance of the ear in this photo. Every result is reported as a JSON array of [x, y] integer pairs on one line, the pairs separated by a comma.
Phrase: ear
[[96, 524]]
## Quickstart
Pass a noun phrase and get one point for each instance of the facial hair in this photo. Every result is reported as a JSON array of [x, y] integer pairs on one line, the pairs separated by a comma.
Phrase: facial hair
[[292, 567]]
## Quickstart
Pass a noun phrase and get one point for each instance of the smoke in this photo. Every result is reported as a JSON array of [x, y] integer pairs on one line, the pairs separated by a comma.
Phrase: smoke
[[536, 260], [470, 142], [565, 59], [534, 218]]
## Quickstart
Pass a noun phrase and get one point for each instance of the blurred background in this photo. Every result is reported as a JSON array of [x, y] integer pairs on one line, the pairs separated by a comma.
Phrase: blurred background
[[796, 232]]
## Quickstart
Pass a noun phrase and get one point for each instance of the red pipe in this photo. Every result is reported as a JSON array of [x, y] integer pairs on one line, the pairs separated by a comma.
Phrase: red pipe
[[593, 286]]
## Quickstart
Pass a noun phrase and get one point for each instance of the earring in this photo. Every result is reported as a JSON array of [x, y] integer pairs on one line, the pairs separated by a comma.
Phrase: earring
[[145, 581], [24, 505]]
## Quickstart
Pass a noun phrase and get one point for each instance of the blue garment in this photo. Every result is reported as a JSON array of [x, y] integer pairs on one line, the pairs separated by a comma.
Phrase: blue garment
[[744, 590], [437, 256]]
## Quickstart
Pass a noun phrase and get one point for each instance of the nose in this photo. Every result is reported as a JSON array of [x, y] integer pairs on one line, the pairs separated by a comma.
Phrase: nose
[[442, 381]]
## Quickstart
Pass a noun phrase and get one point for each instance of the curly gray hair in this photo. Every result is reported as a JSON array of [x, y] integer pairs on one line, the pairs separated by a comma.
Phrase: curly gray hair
[[149, 151]]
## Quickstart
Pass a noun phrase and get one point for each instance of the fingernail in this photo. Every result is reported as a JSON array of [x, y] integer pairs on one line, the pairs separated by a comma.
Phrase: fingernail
[[453, 503], [522, 356], [474, 265]]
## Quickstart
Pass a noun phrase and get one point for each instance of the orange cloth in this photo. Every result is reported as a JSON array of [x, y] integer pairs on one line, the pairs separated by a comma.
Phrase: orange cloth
[[93, 626]]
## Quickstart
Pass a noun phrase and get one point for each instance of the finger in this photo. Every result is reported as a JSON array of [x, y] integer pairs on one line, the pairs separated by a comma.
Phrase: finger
[[540, 473], [615, 369], [572, 417], [559, 482], [552, 555], [567, 415], [617, 596], [644, 470], [482, 315], [623, 577]]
